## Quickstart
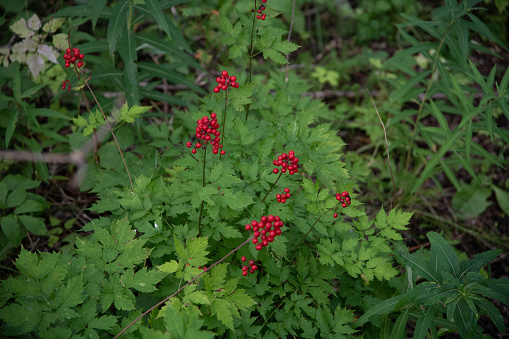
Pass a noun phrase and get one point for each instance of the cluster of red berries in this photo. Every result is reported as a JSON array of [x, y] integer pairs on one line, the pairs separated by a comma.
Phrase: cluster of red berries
[[266, 229], [252, 267], [344, 200], [282, 197], [288, 162], [224, 81], [260, 10], [66, 84], [73, 57], [206, 129]]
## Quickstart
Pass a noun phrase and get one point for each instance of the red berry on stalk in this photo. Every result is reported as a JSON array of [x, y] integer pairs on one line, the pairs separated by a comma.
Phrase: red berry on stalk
[[233, 78], [259, 247], [189, 144], [193, 151], [243, 259], [335, 215], [244, 273], [224, 73], [344, 205], [217, 89], [275, 171], [247, 227], [223, 152]]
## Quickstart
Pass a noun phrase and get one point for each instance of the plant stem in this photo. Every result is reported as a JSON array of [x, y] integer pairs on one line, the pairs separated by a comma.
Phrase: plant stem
[[111, 130], [224, 117], [202, 202], [180, 289], [280, 173], [251, 55], [304, 237]]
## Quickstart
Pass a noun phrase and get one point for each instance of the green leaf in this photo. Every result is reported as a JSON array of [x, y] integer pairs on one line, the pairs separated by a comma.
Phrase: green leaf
[[237, 200], [129, 56], [33, 224], [11, 228], [128, 114], [11, 126], [502, 199], [471, 200], [480, 260], [16, 198], [104, 322], [72, 294], [145, 281], [117, 24], [383, 307], [424, 268], [424, 322], [158, 14], [493, 312], [97, 6], [398, 331], [445, 253], [221, 308], [169, 267]]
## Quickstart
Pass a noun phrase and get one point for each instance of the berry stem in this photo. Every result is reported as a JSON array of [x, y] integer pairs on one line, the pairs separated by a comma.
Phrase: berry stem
[[180, 289], [251, 56], [304, 237], [203, 185], [274, 184], [224, 120], [111, 129]]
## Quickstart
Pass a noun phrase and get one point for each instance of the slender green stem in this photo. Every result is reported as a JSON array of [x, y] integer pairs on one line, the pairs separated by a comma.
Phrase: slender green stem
[[274, 184], [224, 117], [304, 237], [203, 185], [180, 289], [251, 56], [111, 130]]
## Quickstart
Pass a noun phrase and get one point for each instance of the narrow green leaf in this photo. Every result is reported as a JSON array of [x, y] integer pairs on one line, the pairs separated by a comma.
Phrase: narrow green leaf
[[384, 307], [493, 312], [480, 260], [97, 6], [424, 322], [129, 56], [423, 267], [155, 9], [445, 253], [468, 139], [502, 199], [436, 158], [117, 23], [11, 126], [398, 331]]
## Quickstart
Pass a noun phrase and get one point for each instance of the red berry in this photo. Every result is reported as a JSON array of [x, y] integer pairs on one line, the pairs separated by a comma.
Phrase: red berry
[[224, 87], [244, 273], [189, 144], [223, 152], [213, 115], [258, 17], [198, 145], [243, 260], [255, 240], [193, 151], [217, 89], [68, 51], [81, 56], [233, 78], [248, 227], [254, 267], [263, 16], [80, 63], [204, 268], [259, 247], [287, 190], [344, 205], [251, 263], [275, 171], [335, 215], [224, 73]]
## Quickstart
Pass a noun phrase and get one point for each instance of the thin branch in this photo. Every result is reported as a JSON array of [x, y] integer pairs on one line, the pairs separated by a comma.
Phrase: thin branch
[[387, 147], [180, 289]]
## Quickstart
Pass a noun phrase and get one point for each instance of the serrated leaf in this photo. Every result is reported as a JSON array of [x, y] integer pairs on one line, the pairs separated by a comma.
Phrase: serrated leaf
[[20, 28], [104, 322], [53, 25], [221, 308], [48, 52], [34, 22], [502, 199], [36, 64], [197, 297], [237, 200], [169, 267]]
